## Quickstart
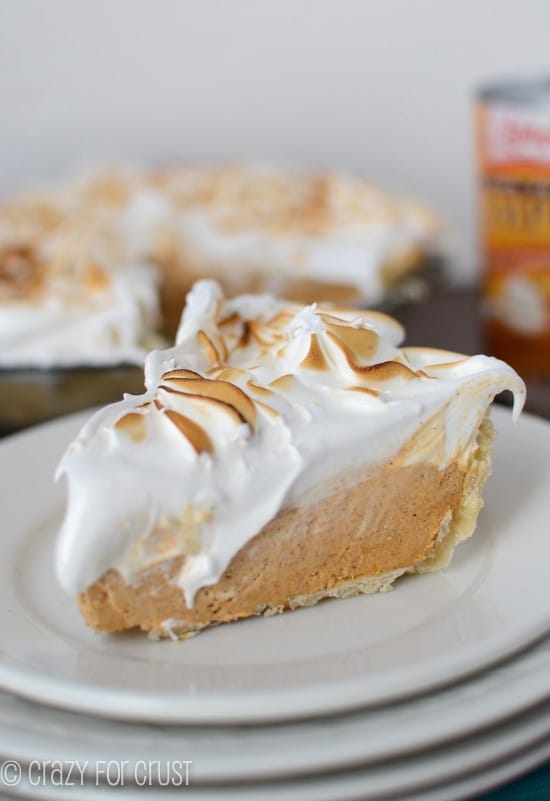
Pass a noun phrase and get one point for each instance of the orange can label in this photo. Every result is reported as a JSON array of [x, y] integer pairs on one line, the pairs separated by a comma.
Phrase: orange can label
[[513, 146]]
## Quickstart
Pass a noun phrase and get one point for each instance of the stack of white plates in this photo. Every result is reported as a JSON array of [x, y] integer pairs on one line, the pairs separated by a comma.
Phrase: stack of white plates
[[438, 690]]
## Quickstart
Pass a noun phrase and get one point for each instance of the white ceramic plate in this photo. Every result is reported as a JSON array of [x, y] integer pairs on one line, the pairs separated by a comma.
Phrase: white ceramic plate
[[228, 754], [394, 779], [431, 630]]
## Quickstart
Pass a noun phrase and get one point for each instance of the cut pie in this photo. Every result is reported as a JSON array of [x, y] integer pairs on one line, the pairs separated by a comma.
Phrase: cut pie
[[281, 454], [310, 236]]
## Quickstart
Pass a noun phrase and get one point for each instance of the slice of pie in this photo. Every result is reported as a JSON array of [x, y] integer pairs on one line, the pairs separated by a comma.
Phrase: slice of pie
[[281, 454]]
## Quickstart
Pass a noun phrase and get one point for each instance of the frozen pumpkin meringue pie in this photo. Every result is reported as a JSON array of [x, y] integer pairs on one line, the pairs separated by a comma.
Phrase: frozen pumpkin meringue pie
[[281, 454], [309, 235]]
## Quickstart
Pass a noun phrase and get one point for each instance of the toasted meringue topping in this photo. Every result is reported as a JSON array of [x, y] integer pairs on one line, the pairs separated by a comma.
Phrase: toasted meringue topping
[[21, 273], [196, 436], [133, 424], [315, 358], [279, 413], [280, 202]]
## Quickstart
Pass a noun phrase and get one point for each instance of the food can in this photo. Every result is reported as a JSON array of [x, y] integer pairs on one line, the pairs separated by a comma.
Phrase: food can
[[513, 154]]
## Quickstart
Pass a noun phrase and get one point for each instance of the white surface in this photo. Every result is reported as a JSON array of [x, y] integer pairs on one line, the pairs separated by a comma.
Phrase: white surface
[[338, 655], [359, 84], [394, 779], [29, 731]]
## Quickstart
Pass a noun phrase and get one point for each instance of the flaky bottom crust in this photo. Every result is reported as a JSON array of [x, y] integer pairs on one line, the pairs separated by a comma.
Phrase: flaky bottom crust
[[359, 538]]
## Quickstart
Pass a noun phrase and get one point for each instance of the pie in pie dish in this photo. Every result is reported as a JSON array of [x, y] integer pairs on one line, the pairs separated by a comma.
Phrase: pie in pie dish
[[281, 454], [94, 271], [91, 243]]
